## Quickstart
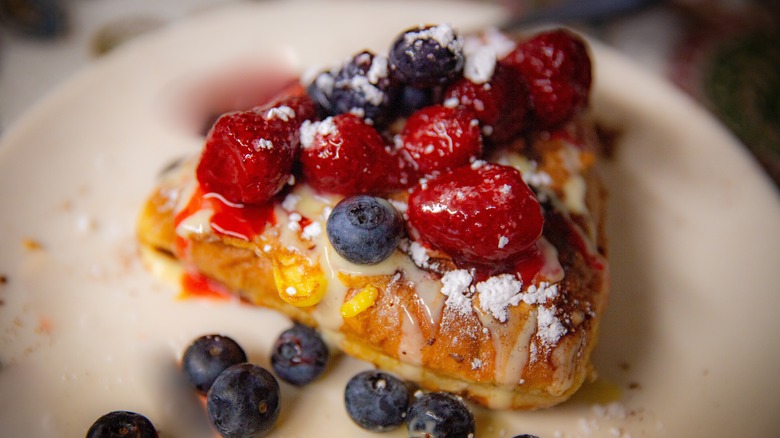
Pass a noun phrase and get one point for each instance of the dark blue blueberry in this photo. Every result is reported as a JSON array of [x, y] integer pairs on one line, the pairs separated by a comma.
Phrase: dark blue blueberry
[[525, 435], [299, 355], [244, 402], [439, 415], [376, 401], [411, 99], [355, 87], [207, 357], [122, 424], [364, 229], [428, 56], [320, 91]]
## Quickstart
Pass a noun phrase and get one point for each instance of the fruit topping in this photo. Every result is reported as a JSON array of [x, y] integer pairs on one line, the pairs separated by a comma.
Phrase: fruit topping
[[361, 86], [411, 99], [437, 138], [299, 355], [364, 229], [376, 401], [426, 56], [248, 155], [205, 359], [361, 301], [557, 69], [122, 424], [500, 104], [345, 155], [299, 280], [480, 214], [244, 402], [440, 415]]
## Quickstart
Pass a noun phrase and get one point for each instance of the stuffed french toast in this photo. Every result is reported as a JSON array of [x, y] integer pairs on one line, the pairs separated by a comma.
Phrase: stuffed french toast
[[435, 211]]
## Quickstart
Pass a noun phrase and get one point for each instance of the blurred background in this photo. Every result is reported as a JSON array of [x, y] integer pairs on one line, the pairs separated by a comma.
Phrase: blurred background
[[723, 53]]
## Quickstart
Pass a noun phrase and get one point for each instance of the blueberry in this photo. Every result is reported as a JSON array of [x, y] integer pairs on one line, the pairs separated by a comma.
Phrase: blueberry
[[364, 229], [299, 355], [244, 402], [320, 91], [207, 357], [439, 415], [525, 435], [362, 84], [411, 99], [427, 56], [122, 424], [376, 401]]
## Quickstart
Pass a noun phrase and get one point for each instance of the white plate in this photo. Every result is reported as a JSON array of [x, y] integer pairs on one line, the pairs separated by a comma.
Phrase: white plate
[[688, 346]]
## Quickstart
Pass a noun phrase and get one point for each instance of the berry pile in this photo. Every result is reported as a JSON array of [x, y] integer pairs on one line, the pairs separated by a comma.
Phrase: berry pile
[[418, 119]]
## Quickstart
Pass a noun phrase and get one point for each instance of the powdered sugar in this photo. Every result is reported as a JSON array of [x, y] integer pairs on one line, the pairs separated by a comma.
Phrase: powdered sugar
[[418, 254], [311, 231], [361, 84], [310, 129], [284, 113], [451, 102], [443, 34], [291, 201], [262, 143], [497, 293], [548, 327], [540, 294], [455, 285], [480, 64], [378, 69]]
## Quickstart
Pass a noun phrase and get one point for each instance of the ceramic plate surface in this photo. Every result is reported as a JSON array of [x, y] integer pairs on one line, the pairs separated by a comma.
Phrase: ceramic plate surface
[[688, 346]]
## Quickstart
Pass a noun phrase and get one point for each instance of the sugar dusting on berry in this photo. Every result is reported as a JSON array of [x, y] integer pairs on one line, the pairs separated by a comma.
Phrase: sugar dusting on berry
[[325, 82], [309, 130], [480, 64], [262, 143], [443, 34], [378, 69], [284, 113], [362, 84]]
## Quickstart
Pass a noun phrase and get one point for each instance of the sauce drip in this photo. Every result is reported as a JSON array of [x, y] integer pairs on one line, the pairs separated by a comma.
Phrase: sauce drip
[[197, 285], [234, 220], [527, 267]]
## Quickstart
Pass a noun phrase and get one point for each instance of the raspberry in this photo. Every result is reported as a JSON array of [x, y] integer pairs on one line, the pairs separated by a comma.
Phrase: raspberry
[[345, 155], [477, 214], [436, 139], [501, 103], [557, 68], [248, 155]]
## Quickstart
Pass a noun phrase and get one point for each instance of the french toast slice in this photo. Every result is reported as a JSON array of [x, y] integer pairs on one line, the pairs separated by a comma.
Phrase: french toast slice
[[517, 337]]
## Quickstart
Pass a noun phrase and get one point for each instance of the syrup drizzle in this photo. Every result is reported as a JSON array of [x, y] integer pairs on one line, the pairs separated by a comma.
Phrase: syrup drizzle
[[197, 285], [229, 219]]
